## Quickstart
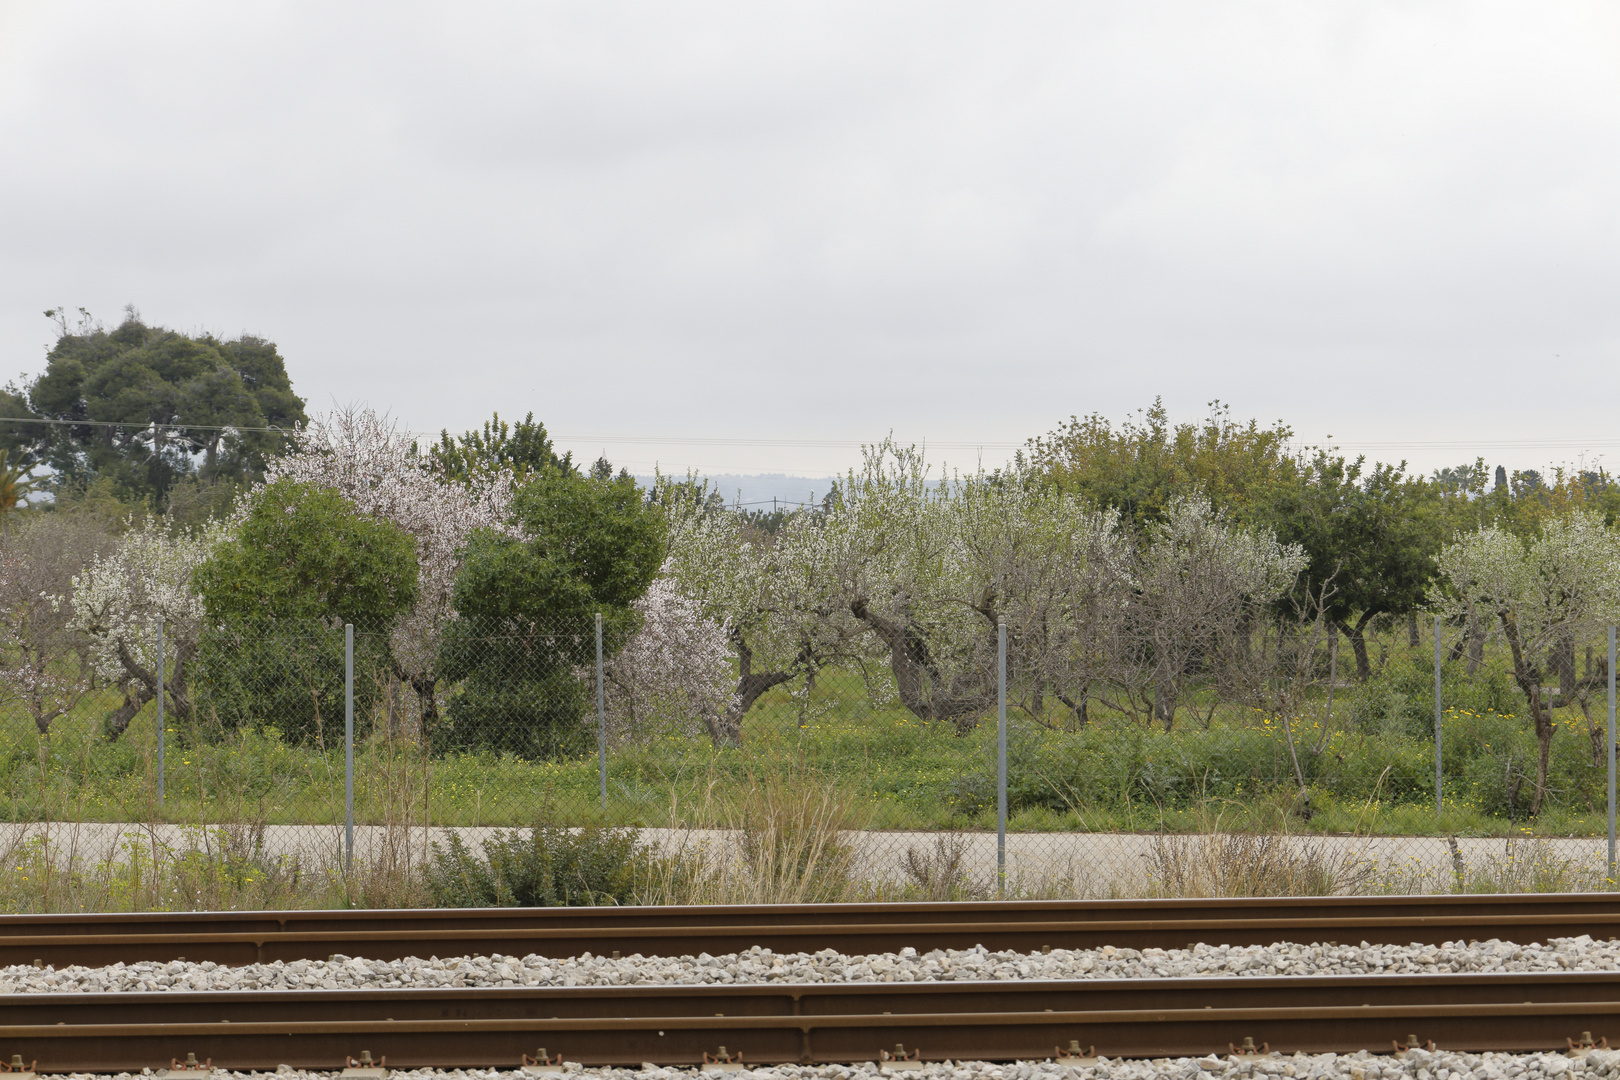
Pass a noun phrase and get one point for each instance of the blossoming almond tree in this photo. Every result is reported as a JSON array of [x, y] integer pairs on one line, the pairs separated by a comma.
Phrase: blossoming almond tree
[[40, 664], [674, 674], [1542, 592], [118, 603]]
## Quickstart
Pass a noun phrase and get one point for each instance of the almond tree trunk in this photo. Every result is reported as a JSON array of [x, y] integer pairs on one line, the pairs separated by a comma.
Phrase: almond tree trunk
[[726, 729]]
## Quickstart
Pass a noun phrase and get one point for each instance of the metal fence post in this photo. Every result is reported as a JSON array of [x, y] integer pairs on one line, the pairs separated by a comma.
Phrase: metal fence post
[[1611, 753], [1437, 802], [1001, 758], [1438, 805], [601, 716], [162, 724], [348, 747]]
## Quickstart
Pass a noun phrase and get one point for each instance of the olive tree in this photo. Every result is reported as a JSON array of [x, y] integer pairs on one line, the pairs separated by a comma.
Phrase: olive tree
[[770, 591], [932, 568], [1542, 592], [1198, 580]]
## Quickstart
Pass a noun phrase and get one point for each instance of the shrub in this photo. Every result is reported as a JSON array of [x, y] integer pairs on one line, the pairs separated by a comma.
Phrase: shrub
[[304, 562], [545, 866]]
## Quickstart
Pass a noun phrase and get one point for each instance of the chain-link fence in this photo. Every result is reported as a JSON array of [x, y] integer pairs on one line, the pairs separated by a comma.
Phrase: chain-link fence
[[303, 745]]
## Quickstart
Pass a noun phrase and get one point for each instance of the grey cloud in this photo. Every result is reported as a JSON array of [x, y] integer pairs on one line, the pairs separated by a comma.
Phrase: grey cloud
[[956, 221]]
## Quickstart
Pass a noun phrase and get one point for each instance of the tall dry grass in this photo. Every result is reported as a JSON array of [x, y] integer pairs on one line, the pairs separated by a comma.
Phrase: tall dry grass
[[782, 838], [149, 868], [1227, 864]]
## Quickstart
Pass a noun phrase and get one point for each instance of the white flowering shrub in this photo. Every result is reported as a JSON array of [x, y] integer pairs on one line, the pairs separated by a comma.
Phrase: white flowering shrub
[[674, 675]]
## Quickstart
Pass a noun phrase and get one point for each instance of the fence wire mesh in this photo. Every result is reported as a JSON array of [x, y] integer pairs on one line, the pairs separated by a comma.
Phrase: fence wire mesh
[[870, 776]]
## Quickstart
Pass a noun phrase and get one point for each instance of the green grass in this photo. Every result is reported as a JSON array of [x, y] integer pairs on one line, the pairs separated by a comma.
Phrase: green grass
[[1373, 774]]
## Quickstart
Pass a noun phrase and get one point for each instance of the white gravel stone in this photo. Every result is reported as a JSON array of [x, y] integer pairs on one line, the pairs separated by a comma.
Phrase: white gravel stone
[[1418, 1065], [763, 966]]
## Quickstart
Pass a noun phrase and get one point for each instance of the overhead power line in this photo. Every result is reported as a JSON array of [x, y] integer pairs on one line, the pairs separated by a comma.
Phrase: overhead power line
[[135, 425], [855, 444]]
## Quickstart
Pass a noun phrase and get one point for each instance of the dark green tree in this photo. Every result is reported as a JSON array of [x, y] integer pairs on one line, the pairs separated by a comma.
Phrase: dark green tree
[[1371, 537], [524, 448], [146, 406], [528, 602], [303, 563]]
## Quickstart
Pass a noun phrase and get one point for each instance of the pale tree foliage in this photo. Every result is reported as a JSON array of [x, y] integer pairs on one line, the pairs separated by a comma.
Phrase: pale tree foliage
[[367, 459], [932, 568], [769, 592], [674, 676], [889, 550], [915, 574], [1542, 592], [1050, 566], [120, 599], [40, 665], [1200, 582]]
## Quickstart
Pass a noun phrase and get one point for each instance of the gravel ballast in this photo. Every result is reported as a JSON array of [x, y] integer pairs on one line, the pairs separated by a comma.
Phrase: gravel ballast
[[763, 966], [1417, 1065]]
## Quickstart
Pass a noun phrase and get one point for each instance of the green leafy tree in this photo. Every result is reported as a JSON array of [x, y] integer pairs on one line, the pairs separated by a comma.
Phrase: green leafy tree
[[523, 449], [302, 562], [1369, 536], [528, 595], [147, 406], [1141, 467]]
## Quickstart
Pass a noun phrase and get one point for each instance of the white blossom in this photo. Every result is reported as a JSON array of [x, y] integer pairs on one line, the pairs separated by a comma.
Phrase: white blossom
[[674, 675], [122, 596]]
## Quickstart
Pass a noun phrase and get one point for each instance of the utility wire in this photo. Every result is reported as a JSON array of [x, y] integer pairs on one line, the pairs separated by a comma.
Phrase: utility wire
[[687, 440], [135, 425]]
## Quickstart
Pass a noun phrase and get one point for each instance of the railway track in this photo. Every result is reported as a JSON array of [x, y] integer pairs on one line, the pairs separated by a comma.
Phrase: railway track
[[772, 1024], [811, 1023], [237, 938]]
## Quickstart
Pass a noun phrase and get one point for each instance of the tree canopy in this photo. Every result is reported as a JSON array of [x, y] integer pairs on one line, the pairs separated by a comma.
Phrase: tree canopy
[[521, 449], [306, 552], [148, 406], [1370, 537], [1142, 466], [527, 594]]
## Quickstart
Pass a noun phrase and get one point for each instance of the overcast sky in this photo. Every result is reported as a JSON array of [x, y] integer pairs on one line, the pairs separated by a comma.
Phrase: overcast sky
[[799, 226]]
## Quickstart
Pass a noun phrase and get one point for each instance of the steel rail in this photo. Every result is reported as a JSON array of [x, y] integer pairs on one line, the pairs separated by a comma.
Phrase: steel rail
[[237, 938], [776, 1023]]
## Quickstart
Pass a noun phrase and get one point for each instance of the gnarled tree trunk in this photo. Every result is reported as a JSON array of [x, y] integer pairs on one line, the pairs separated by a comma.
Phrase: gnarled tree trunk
[[140, 686], [917, 681], [1356, 632], [726, 729]]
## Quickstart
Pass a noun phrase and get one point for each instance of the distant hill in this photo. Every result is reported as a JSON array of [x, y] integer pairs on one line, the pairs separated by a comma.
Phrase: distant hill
[[758, 489]]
